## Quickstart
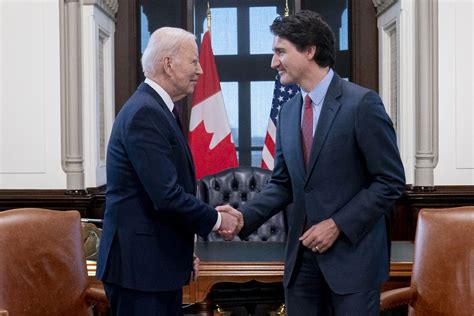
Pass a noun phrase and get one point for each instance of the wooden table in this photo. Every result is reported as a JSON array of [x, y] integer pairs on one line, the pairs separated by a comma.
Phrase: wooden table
[[241, 262]]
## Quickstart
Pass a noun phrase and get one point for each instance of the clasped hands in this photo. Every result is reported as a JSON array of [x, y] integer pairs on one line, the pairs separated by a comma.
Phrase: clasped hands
[[232, 221]]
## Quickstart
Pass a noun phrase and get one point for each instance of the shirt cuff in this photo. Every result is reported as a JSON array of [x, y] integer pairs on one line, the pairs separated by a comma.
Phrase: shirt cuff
[[218, 222]]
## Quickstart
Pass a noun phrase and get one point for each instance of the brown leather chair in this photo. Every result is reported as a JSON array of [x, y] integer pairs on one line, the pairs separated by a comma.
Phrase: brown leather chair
[[443, 268], [42, 265]]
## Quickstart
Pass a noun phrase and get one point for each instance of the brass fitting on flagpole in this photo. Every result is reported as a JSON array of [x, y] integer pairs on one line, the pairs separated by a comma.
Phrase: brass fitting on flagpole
[[287, 10], [208, 17]]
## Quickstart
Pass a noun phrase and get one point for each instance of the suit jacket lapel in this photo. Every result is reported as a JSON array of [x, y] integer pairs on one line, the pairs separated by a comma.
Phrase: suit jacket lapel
[[190, 157], [294, 132], [184, 142], [328, 113], [174, 123]]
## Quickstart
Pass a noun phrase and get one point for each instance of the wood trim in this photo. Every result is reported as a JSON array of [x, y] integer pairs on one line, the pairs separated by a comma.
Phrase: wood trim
[[401, 269], [405, 212], [240, 269], [363, 43], [126, 51], [212, 273], [90, 203]]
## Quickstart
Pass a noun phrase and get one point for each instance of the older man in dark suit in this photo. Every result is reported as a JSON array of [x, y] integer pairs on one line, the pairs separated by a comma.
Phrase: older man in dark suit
[[337, 160], [151, 216]]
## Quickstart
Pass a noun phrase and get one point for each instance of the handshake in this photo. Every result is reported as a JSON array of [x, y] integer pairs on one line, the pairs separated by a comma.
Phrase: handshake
[[232, 221]]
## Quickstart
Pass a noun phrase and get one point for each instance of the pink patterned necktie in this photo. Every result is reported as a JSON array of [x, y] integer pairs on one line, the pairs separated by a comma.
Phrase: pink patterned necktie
[[307, 129]]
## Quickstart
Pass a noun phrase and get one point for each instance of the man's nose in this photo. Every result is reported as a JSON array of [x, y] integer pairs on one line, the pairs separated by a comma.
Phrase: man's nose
[[275, 61], [199, 69]]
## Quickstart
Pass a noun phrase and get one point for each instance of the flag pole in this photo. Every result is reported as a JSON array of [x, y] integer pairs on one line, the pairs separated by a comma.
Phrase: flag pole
[[209, 17], [287, 11]]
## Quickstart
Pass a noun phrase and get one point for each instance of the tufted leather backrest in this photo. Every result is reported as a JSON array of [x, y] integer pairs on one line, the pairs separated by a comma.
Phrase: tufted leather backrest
[[236, 186], [42, 265], [443, 267]]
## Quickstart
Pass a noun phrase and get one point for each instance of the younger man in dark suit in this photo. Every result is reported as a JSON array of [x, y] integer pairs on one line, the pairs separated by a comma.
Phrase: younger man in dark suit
[[337, 160]]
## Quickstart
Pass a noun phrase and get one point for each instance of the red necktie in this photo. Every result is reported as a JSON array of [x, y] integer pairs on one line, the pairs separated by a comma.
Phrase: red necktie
[[307, 129]]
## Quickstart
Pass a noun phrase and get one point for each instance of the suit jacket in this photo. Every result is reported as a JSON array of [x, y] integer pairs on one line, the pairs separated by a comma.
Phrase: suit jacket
[[151, 213], [354, 176]]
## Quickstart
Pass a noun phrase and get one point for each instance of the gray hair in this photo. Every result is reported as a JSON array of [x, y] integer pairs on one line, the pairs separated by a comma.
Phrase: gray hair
[[165, 41]]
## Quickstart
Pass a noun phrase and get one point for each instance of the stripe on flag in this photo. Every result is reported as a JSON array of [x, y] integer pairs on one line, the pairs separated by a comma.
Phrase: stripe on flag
[[281, 94]]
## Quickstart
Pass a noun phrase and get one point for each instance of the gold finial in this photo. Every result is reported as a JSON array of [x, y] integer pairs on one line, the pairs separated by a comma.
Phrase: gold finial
[[208, 17], [281, 310], [287, 11]]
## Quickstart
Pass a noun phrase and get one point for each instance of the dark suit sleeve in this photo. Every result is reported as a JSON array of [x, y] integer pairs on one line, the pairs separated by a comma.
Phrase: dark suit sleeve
[[151, 153], [377, 142], [274, 197]]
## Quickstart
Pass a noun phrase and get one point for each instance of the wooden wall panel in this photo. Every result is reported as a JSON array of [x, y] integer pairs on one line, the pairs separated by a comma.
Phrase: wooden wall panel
[[92, 204]]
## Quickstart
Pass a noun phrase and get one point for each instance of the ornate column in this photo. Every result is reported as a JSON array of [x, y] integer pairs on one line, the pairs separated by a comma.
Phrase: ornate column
[[426, 117], [71, 95]]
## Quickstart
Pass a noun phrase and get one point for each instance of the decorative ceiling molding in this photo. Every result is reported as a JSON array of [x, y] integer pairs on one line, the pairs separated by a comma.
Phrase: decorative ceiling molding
[[383, 5], [108, 6]]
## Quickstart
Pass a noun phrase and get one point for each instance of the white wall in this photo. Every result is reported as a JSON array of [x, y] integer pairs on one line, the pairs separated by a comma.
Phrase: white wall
[[30, 94], [30, 125], [30, 132], [456, 93]]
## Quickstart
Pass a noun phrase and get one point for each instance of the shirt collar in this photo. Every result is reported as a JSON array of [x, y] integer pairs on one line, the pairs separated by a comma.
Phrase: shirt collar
[[319, 92], [162, 93]]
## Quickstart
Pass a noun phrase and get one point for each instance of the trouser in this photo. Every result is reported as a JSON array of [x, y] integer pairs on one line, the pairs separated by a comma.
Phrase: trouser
[[309, 294]]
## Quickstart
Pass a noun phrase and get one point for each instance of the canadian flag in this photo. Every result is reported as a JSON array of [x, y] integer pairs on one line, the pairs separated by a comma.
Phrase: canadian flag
[[210, 138]]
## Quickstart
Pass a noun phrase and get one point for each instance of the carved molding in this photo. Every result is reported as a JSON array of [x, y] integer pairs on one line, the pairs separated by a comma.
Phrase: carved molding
[[383, 5], [108, 6]]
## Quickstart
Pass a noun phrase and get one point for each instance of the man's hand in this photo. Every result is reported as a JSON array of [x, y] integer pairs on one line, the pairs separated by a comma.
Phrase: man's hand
[[195, 272], [321, 237], [228, 211]]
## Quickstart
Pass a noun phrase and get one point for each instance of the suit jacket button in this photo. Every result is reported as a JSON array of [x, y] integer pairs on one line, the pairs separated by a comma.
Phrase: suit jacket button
[[308, 190]]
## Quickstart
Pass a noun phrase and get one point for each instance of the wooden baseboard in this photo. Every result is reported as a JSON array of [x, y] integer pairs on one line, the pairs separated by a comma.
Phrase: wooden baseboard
[[90, 202], [405, 211]]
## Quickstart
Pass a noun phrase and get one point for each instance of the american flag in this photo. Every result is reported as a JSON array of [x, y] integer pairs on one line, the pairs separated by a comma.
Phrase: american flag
[[281, 94]]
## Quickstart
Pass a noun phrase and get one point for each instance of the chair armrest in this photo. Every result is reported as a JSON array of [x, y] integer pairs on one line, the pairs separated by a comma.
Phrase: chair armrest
[[393, 298], [95, 296], [3, 312]]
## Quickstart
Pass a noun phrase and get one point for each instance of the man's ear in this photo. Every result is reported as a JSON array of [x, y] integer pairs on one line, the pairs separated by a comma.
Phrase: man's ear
[[311, 52], [167, 67]]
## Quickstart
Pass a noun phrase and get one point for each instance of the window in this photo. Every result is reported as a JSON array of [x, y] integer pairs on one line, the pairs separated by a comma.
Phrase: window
[[242, 45], [242, 42]]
